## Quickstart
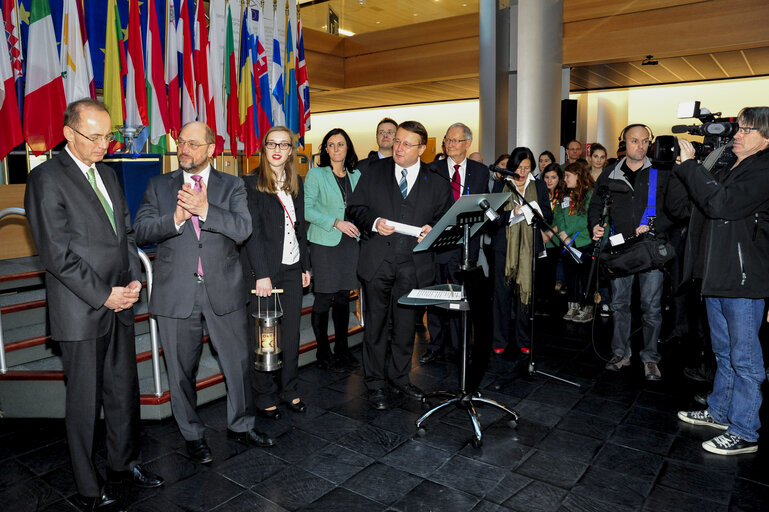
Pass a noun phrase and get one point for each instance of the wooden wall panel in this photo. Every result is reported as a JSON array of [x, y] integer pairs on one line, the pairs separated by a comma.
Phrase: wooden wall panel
[[16, 237], [325, 71], [577, 10], [435, 61], [675, 31]]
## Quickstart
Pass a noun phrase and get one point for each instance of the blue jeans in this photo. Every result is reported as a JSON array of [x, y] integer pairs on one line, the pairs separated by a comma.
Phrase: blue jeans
[[651, 297], [736, 396]]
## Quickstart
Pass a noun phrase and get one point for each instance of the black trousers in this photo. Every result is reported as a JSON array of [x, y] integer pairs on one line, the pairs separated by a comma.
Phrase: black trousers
[[507, 306], [442, 324], [382, 292], [101, 372], [270, 388]]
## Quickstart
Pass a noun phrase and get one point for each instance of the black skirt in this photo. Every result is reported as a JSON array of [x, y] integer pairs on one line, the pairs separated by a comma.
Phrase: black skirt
[[335, 268]]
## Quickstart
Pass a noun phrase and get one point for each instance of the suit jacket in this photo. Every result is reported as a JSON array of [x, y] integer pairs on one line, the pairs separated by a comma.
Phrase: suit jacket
[[323, 204], [476, 182], [264, 248], [176, 261], [365, 163], [378, 195], [80, 252]]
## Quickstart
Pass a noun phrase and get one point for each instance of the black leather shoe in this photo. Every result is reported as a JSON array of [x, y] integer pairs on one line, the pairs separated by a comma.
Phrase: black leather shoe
[[199, 451], [136, 475], [428, 356], [298, 406], [410, 391], [251, 438], [378, 399], [270, 414], [104, 502]]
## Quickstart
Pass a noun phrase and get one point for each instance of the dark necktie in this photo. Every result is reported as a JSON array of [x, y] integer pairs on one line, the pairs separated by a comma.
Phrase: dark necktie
[[456, 183], [195, 221], [102, 199]]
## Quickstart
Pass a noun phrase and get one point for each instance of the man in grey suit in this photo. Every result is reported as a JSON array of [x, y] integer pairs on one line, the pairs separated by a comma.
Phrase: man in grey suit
[[82, 229], [197, 215]]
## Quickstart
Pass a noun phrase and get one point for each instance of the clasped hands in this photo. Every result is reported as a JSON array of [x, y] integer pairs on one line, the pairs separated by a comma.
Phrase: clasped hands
[[123, 297], [190, 202]]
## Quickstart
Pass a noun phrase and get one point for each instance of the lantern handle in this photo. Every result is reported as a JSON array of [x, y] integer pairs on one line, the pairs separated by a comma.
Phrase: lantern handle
[[274, 290]]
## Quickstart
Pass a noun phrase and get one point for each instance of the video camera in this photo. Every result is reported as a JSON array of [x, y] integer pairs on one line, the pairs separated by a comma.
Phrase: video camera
[[716, 130]]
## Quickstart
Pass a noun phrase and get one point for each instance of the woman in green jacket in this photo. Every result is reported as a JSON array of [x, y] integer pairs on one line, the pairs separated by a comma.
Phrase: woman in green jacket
[[570, 217], [333, 245]]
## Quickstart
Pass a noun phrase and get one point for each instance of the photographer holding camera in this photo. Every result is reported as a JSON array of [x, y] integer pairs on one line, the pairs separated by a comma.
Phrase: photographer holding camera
[[635, 189], [732, 256]]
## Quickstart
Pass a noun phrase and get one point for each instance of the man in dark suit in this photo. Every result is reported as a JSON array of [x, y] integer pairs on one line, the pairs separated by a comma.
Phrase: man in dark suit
[[466, 177], [385, 132], [82, 228], [197, 215], [404, 190]]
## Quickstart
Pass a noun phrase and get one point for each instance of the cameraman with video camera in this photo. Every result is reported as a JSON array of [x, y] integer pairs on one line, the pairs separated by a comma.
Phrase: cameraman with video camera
[[635, 188], [732, 253]]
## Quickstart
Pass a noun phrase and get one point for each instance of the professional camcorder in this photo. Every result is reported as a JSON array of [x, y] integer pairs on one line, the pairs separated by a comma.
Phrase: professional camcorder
[[716, 130]]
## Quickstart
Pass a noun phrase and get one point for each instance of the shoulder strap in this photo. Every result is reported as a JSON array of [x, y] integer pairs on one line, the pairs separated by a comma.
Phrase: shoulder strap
[[651, 204]]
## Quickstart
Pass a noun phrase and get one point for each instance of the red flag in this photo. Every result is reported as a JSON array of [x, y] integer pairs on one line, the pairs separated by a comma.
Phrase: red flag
[[205, 99], [184, 46], [10, 135], [136, 87]]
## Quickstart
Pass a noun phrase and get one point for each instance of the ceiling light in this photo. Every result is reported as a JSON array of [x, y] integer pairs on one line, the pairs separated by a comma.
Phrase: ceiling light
[[649, 61], [346, 32]]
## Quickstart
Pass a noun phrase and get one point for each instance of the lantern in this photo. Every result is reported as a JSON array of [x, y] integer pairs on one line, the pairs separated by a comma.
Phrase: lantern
[[268, 335]]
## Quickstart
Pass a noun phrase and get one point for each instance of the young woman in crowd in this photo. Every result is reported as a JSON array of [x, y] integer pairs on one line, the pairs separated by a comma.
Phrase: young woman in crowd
[[548, 269], [570, 217], [545, 159], [276, 257], [597, 160], [514, 245], [333, 245]]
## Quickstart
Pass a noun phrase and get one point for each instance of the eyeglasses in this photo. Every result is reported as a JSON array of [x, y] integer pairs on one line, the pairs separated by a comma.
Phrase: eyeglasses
[[745, 130], [96, 138], [284, 146], [180, 143], [407, 145], [453, 141], [386, 132]]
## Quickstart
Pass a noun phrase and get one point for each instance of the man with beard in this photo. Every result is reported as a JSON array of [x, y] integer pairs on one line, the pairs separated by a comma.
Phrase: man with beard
[[197, 215]]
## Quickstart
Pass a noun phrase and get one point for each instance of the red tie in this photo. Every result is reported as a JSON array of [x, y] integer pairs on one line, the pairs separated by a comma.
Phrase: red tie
[[456, 183]]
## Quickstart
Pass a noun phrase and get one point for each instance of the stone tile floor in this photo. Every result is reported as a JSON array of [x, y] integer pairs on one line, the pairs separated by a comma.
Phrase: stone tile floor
[[613, 444]]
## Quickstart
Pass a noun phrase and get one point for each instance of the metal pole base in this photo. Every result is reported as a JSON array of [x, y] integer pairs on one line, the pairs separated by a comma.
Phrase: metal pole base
[[534, 371], [466, 401]]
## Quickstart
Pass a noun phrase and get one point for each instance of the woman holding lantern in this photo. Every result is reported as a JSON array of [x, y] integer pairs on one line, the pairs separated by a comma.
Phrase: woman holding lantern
[[333, 246], [275, 257]]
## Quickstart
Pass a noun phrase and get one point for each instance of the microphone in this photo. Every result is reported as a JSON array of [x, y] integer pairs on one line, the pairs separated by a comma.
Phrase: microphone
[[488, 210], [504, 172], [439, 174]]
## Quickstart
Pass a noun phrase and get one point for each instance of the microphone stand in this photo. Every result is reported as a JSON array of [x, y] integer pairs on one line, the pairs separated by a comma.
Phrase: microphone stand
[[537, 220], [597, 251]]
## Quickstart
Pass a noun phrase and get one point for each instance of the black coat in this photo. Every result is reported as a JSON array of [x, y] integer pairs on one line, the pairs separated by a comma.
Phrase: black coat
[[377, 195], [476, 182], [499, 231], [263, 250], [734, 215], [629, 202]]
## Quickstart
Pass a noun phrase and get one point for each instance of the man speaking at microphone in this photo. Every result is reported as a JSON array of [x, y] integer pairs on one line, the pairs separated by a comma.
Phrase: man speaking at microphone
[[466, 177], [404, 190]]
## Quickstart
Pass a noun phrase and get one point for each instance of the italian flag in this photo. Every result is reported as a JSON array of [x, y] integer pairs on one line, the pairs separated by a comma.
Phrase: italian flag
[[44, 101]]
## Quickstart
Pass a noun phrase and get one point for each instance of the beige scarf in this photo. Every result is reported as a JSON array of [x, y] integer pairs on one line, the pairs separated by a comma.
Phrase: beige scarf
[[520, 247]]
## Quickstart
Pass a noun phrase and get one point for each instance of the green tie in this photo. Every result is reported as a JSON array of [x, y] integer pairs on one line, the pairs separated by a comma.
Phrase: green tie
[[102, 199]]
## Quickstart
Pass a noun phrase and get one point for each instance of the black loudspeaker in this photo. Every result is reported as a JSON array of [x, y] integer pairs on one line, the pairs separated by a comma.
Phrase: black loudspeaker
[[568, 121]]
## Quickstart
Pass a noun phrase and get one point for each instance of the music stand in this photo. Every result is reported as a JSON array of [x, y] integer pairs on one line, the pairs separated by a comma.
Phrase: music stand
[[452, 229]]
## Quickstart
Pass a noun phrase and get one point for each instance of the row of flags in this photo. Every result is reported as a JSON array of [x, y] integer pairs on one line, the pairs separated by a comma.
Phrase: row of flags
[[159, 63]]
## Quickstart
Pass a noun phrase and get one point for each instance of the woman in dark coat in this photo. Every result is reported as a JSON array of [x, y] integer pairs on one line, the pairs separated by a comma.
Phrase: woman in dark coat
[[276, 257]]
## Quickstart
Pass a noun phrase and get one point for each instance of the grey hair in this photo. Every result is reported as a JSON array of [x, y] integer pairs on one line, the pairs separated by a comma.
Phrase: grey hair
[[466, 131]]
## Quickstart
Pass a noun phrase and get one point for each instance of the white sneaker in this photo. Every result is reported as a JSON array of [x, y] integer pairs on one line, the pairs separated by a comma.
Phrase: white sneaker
[[572, 312], [584, 316]]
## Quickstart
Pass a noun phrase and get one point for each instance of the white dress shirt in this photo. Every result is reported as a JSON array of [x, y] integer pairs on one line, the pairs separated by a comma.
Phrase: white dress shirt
[[84, 169], [462, 174], [290, 242]]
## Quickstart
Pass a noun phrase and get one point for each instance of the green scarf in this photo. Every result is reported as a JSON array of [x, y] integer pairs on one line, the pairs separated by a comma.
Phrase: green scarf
[[520, 247]]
